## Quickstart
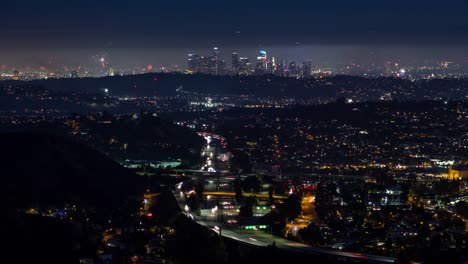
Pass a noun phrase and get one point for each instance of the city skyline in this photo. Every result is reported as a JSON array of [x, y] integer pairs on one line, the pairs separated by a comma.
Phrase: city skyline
[[164, 33], [330, 57]]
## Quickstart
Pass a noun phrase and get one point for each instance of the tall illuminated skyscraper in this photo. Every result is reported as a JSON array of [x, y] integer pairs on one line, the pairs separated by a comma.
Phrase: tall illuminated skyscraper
[[262, 63], [193, 63], [215, 59], [292, 68], [235, 63], [306, 68], [244, 66], [265, 59]]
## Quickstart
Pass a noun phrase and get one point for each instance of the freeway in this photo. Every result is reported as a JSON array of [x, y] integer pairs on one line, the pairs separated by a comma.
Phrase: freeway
[[232, 194], [209, 219], [212, 220]]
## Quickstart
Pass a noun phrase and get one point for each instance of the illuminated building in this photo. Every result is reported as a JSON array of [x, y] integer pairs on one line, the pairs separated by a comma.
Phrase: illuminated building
[[262, 63], [74, 74], [265, 59], [306, 68], [270, 67], [391, 196], [244, 66], [193, 63], [279, 69], [198, 63], [235, 63], [259, 65], [292, 68], [273, 65], [207, 65], [458, 172], [16, 75], [215, 59]]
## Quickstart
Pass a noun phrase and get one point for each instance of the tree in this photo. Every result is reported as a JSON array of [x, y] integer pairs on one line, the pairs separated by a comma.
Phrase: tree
[[446, 187], [383, 177], [280, 188], [199, 190], [240, 162], [311, 235], [238, 191], [251, 184], [292, 206], [270, 195], [462, 208], [194, 203], [247, 209]]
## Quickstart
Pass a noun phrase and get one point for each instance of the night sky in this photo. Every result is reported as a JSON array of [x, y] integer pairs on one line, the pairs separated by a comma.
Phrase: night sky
[[167, 28]]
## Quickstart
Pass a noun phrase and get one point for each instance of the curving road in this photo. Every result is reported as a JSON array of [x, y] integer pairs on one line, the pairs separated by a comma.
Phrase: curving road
[[211, 219]]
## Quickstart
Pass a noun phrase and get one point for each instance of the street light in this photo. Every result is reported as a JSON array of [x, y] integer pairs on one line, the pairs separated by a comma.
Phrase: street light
[[217, 229]]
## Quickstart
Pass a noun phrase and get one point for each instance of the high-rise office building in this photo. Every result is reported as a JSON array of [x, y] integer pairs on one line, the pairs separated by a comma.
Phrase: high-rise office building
[[221, 67], [235, 63], [306, 68], [292, 69], [208, 65], [194, 63], [273, 63], [16, 75], [74, 74], [259, 66], [215, 59], [262, 63], [244, 66], [279, 69], [269, 69]]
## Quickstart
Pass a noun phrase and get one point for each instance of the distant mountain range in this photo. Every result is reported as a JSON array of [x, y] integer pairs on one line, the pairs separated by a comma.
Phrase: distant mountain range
[[170, 84]]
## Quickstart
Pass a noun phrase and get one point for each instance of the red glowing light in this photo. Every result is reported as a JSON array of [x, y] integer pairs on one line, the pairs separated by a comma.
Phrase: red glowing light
[[310, 187], [4, 66], [150, 67], [149, 215]]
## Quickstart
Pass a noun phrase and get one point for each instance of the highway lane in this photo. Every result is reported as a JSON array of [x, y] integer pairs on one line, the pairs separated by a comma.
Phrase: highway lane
[[299, 247], [211, 221]]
